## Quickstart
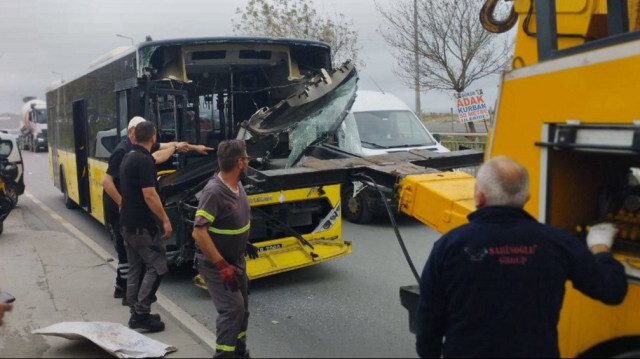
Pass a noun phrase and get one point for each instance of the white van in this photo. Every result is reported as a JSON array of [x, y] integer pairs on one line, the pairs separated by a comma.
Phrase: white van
[[385, 125]]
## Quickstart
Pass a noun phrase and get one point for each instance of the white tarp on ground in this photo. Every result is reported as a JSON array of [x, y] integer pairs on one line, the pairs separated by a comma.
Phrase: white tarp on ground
[[115, 338]]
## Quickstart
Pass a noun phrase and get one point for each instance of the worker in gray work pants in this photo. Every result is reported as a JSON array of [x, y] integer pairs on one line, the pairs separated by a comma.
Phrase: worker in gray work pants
[[221, 232], [232, 306]]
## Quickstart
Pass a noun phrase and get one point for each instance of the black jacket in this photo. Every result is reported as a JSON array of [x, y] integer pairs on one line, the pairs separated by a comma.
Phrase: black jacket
[[494, 287]]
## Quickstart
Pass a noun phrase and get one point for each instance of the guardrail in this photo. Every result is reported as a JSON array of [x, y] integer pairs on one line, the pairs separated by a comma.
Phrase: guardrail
[[455, 141]]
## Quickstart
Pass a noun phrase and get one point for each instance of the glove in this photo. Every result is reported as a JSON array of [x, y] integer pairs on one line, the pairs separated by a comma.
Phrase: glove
[[602, 233], [228, 275], [251, 251]]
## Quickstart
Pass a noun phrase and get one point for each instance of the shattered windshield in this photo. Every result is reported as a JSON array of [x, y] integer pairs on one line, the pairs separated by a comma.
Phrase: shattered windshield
[[386, 129], [348, 135], [321, 121]]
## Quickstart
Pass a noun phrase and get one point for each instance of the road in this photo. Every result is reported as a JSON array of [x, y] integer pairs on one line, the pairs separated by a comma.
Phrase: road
[[348, 307]]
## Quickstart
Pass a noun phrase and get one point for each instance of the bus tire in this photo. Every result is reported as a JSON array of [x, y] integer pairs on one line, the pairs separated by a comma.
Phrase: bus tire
[[355, 209], [68, 202]]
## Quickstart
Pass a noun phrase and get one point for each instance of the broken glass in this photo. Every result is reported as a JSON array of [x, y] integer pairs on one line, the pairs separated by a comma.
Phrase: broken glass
[[319, 124]]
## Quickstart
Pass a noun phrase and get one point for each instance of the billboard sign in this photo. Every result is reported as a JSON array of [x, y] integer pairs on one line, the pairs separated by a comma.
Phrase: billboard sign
[[471, 106]]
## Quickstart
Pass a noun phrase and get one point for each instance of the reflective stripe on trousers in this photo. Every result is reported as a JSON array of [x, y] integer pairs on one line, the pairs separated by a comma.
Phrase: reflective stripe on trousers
[[232, 308]]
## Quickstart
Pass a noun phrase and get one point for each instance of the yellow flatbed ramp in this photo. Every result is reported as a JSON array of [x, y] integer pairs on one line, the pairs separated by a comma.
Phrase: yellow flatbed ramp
[[440, 200]]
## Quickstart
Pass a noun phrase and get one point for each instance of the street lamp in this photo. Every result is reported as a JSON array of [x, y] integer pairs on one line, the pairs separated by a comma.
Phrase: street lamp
[[126, 37], [61, 76]]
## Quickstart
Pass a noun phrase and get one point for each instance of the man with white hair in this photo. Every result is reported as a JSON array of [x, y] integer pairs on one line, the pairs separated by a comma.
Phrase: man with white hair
[[161, 152], [494, 287]]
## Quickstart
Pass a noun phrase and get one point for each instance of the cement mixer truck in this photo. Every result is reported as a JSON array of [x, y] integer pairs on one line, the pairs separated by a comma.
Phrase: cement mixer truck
[[33, 130]]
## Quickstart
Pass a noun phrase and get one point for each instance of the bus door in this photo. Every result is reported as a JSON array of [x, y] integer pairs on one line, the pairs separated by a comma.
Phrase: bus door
[[80, 141]]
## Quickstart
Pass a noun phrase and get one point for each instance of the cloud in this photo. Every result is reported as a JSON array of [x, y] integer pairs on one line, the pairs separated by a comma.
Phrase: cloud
[[41, 36]]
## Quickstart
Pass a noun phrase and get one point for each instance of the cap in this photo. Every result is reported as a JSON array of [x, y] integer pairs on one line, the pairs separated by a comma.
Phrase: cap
[[135, 121]]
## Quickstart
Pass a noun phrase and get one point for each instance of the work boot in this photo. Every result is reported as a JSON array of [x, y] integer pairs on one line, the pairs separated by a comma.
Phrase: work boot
[[244, 355], [119, 292], [146, 321]]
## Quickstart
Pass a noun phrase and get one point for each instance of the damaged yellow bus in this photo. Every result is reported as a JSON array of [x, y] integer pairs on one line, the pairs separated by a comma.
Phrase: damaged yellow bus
[[281, 96]]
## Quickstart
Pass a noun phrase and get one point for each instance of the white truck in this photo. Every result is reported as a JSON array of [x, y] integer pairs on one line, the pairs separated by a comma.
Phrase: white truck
[[33, 130]]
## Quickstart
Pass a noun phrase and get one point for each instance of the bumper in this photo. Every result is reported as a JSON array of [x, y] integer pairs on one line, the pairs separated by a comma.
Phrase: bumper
[[318, 239]]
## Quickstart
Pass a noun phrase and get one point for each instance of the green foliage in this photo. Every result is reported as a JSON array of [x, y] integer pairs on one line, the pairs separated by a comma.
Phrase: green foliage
[[298, 19]]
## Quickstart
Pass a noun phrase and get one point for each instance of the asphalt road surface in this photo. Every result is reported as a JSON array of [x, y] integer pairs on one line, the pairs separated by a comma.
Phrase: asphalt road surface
[[348, 307]]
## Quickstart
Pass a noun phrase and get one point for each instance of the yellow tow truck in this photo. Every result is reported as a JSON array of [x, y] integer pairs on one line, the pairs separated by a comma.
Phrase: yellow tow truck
[[567, 111]]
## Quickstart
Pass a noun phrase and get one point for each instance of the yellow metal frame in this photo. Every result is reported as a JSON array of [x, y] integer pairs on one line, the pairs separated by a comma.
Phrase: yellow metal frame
[[585, 322], [291, 254], [449, 194], [595, 87], [577, 17]]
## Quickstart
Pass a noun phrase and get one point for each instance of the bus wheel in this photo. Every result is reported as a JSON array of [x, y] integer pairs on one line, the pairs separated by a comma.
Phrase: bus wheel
[[68, 202]]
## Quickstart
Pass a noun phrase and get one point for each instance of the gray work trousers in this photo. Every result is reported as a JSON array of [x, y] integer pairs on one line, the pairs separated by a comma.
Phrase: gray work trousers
[[144, 249], [232, 307]]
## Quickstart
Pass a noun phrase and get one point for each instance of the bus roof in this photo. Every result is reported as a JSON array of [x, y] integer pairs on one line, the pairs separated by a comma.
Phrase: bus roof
[[122, 51], [235, 40]]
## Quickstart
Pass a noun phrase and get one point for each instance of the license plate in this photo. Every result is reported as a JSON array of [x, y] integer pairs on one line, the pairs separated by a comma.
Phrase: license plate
[[268, 248]]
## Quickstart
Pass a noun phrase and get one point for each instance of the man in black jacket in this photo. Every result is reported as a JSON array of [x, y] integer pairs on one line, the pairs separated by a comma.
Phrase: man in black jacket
[[494, 287], [141, 206], [112, 198]]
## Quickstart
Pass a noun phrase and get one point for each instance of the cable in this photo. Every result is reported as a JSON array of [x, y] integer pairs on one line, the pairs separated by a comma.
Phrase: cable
[[394, 224]]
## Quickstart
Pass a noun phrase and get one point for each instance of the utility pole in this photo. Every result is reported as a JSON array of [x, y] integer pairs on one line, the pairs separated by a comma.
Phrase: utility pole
[[416, 59]]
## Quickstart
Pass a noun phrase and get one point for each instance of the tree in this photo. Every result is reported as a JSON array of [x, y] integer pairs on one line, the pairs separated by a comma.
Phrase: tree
[[299, 19], [454, 49]]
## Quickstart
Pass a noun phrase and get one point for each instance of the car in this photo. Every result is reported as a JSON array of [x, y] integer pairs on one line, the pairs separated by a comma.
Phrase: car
[[385, 125]]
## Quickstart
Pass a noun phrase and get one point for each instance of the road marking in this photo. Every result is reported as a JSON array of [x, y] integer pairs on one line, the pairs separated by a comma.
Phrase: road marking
[[195, 328]]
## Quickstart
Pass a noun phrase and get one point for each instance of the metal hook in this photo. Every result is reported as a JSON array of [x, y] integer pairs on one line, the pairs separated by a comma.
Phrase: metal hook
[[491, 24]]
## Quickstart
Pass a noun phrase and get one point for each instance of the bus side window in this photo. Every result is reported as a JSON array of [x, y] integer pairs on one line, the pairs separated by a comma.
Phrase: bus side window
[[189, 127]]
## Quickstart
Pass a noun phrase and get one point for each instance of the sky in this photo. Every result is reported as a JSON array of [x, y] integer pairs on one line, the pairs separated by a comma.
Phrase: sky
[[43, 41]]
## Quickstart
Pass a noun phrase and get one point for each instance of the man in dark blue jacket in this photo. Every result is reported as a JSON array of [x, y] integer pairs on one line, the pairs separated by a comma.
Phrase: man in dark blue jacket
[[494, 287]]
